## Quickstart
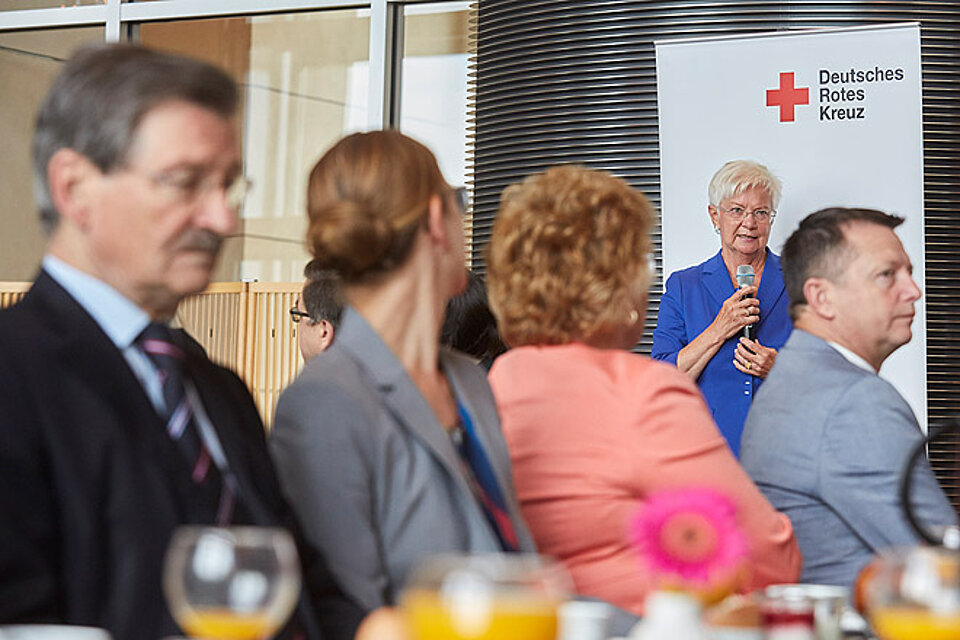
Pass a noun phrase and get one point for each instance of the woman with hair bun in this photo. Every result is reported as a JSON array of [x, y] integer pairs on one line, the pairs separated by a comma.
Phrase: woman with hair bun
[[389, 446]]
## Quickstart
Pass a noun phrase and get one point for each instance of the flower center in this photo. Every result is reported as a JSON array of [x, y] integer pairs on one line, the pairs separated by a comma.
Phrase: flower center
[[689, 537]]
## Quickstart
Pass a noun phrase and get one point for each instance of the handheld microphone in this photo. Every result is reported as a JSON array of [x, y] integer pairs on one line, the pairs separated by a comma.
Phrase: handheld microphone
[[745, 277]]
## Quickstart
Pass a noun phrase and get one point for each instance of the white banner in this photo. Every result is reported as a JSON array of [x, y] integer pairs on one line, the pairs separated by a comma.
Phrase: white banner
[[834, 113]]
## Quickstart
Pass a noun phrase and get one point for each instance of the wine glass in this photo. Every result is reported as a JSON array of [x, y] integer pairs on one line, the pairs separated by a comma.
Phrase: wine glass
[[485, 597], [914, 594], [231, 583]]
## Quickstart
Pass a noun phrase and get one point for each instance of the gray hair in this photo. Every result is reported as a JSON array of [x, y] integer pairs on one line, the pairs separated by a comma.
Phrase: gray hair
[[100, 97], [737, 176]]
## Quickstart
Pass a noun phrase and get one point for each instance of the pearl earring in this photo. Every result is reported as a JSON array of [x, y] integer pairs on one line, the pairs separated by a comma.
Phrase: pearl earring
[[634, 316]]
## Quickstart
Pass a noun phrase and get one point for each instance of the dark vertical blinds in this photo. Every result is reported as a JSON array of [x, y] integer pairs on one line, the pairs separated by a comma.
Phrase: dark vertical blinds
[[575, 81]]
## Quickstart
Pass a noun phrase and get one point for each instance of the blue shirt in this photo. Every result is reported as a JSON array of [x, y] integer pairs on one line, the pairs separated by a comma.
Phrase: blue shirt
[[692, 299]]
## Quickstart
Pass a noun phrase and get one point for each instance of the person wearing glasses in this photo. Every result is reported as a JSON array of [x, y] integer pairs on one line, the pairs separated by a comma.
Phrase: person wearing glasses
[[389, 445], [319, 306], [114, 429], [703, 312]]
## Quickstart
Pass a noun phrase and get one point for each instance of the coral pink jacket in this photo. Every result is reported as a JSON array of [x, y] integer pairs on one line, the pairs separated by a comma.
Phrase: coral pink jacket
[[593, 431]]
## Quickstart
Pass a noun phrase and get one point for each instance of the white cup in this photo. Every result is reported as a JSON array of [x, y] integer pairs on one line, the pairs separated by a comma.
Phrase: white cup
[[584, 620]]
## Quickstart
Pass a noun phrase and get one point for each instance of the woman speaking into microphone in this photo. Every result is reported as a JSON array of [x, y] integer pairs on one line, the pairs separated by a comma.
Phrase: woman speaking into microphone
[[722, 321]]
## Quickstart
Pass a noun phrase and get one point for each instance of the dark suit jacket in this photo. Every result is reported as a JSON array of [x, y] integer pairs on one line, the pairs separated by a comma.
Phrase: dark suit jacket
[[91, 486]]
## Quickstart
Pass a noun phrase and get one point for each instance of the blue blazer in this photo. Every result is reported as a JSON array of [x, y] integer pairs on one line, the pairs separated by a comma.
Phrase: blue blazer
[[692, 299]]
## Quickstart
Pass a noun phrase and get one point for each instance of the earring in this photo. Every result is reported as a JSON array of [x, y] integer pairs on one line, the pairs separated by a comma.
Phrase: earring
[[716, 229], [634, 316]]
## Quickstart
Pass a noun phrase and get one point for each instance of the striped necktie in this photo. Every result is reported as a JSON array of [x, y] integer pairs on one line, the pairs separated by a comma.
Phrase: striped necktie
[[157, 342]]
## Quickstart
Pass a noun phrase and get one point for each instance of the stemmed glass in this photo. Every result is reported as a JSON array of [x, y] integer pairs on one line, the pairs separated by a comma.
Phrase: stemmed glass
[[914, 594], [231, 583], [485, 597]]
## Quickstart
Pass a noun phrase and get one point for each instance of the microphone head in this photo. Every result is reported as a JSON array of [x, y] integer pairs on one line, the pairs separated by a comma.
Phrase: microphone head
[[745, 276]]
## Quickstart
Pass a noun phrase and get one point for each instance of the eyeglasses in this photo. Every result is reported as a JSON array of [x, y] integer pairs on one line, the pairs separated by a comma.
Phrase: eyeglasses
[[739, 213], [186, 186], [296, 315]]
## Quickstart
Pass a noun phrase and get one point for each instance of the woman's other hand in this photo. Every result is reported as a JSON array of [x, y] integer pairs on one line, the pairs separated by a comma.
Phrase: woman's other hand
[[738, 311], [754, 358]]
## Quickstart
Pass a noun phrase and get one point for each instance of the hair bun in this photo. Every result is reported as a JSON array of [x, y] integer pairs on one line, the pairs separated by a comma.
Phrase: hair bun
[[365, 198], [346, 238]]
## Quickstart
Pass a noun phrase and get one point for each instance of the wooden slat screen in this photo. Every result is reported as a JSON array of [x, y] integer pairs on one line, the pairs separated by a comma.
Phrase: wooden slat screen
[[273, 357], [11, 292], [214, 318]]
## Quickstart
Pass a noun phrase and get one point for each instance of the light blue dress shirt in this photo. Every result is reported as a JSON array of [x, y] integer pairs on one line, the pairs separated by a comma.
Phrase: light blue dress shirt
[[123, 321], [119, 318]]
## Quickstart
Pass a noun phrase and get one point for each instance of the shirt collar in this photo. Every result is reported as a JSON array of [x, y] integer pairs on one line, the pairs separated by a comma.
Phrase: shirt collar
[[852, 357], [119, 318]]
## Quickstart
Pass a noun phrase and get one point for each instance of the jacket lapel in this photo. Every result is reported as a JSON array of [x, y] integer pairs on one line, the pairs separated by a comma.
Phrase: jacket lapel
[[492, 445], [771, 285], [87, 356], [226, 415], [401, 396], [465, 396], [716, 279]]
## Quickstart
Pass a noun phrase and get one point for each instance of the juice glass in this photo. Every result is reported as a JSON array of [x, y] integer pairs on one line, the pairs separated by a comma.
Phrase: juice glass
[[914, 594], [486, 597], [231, 583]]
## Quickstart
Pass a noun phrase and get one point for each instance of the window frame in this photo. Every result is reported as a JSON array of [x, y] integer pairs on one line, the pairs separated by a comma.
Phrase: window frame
[[120, 18]]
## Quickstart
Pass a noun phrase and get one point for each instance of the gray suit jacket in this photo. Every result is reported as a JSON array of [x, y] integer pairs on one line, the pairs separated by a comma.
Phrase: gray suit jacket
[[370, 471], [826, 441]]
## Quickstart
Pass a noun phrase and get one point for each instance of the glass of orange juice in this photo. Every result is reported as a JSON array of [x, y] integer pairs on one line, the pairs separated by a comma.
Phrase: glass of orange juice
[[914, 594], [231, 583], [485, 597]]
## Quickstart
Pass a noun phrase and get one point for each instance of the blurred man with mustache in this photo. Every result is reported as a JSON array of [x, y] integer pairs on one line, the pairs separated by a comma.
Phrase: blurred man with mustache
[[115, 430], [826, 438]]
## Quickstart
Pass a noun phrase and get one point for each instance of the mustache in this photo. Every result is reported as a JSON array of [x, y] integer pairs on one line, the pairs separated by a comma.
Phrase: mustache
[[200, 240]]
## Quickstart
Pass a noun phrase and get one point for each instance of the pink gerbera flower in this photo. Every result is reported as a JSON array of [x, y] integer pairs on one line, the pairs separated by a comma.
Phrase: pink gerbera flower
[[690, 536]]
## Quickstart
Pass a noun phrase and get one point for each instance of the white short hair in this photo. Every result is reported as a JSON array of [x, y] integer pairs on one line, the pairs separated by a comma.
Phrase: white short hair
[[737, 176]]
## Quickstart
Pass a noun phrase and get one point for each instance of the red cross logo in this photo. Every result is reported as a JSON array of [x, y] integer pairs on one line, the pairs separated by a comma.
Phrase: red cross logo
[[787, 97]]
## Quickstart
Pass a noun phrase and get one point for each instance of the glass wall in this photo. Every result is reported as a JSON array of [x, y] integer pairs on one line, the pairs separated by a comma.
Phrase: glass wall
[[15, 5], [306, 79], [307, 87], [433, 107], [29, 60]]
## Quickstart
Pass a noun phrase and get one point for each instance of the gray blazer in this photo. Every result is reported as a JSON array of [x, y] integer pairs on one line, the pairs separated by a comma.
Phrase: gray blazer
[[370, 471], [825, 441]]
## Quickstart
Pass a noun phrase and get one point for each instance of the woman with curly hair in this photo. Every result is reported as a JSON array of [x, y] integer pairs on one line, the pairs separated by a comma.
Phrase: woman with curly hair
[[593, 429]]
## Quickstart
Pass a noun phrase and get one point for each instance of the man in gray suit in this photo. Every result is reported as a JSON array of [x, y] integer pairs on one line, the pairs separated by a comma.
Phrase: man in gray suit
[[826, 438]]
